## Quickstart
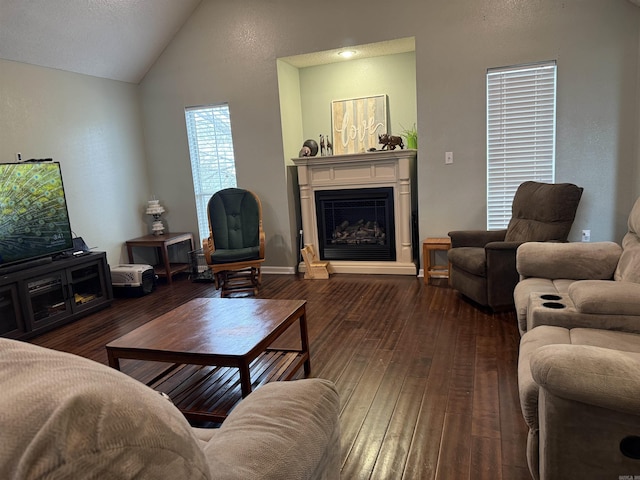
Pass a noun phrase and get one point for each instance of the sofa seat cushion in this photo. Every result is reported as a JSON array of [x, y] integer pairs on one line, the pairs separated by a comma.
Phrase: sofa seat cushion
[[64, 416], [262, 437], [470, 259], [605, 297]]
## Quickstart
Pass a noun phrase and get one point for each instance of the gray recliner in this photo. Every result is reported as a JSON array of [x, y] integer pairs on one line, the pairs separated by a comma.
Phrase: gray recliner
[[483, 263]]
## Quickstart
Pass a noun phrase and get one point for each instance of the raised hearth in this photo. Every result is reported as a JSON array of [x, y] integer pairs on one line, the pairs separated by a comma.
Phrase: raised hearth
[[355, 245]]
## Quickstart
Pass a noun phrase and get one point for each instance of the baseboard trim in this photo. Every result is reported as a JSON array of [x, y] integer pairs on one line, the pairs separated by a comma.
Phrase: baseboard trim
[[292, 271], [278, 270]]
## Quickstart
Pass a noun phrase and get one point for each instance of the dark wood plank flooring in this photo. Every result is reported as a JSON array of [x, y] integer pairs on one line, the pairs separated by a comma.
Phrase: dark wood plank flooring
[[427, 381]]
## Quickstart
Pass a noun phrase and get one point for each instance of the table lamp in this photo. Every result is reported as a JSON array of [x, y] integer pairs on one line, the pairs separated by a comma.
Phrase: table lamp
[[155, 209]]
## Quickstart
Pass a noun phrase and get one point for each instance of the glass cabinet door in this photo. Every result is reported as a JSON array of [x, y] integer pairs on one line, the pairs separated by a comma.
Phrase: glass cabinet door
[[47, 297], [87, 285], [11, 323]]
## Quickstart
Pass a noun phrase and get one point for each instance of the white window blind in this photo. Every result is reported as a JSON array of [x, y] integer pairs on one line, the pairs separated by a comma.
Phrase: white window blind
[[521, 126], [213, 164]]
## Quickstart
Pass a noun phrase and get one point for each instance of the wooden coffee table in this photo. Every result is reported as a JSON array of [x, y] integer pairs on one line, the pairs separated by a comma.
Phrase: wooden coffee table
[[215, 350]]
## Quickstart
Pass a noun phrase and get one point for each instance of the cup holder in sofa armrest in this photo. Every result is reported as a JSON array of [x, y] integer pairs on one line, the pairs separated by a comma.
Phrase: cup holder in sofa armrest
[[630, 447], [548, 296], [556, 305]]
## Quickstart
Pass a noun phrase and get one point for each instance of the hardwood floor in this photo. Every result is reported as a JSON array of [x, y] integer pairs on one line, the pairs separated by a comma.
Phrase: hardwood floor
[[427, 381]]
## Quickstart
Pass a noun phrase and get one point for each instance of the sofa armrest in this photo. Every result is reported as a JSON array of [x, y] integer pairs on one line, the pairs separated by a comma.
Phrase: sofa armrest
[[475, 238], [596, 376], [604, 297], [281, 430], [574, 260]]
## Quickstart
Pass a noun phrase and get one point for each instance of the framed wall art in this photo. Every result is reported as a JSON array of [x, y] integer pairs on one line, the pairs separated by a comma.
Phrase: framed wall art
[[357, 122]]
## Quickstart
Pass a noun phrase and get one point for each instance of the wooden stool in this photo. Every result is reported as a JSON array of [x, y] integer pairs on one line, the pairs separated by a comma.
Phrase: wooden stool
[[433, 270]]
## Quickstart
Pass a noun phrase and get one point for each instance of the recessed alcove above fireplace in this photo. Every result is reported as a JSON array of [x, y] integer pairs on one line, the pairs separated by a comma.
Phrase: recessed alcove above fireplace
[[358, 211]]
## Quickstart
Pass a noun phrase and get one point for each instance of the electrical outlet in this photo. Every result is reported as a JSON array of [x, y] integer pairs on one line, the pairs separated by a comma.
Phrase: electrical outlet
[[448, 158], [586, 235]]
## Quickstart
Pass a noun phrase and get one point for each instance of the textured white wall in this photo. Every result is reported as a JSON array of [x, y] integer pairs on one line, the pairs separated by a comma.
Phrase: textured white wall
[[93, 127]]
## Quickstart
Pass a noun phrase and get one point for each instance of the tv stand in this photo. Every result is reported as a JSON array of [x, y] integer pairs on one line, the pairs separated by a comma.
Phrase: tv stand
[[37, 298], [36, 262]]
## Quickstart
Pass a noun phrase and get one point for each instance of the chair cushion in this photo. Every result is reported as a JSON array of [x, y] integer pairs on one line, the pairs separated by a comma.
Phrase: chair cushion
[[470, 259], [628, 269], [234, 218], [65, 416], [237, 255], [543, 211]]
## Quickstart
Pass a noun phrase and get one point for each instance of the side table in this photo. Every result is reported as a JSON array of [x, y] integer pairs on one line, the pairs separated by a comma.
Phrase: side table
[[161, 242], [433, 270]]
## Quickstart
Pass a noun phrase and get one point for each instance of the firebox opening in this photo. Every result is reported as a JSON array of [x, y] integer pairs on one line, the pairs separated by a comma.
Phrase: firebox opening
[[356, 224]]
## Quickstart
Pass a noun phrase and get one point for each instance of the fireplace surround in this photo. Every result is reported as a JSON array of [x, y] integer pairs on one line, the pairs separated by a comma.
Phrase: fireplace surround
[[371, 201]]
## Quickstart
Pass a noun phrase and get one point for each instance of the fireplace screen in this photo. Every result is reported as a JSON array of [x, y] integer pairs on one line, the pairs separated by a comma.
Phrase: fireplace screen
[[356, 224]]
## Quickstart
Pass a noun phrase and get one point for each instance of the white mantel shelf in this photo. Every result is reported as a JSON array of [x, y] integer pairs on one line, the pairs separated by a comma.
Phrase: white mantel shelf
[[382, 168]]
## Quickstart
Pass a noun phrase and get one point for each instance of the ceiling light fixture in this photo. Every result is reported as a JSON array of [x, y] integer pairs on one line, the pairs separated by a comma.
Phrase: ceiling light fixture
[[347, 53]]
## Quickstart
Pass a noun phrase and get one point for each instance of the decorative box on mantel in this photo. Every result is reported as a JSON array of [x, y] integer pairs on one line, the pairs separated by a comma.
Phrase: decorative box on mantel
[[358, 210]]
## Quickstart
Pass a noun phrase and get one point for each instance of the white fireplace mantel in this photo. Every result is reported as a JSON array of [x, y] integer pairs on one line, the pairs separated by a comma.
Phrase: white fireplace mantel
[[394, 168]]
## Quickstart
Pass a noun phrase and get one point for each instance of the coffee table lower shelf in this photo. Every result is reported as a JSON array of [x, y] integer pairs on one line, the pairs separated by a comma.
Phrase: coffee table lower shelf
[[209, 393]]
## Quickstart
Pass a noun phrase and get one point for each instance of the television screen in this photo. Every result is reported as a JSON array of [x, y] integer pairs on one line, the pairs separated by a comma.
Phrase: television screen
[[34, 221]]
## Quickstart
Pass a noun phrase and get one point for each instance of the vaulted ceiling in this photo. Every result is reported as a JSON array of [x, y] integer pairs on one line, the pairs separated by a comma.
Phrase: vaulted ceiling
[[116, 39]]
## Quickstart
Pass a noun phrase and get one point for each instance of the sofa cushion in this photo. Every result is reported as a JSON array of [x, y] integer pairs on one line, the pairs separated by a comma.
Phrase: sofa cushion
[[543, 211], [592, 375], [65, 416], [282, 430], [604, 297], [628, 269], [574, 260], [551, 335], [528, 389]]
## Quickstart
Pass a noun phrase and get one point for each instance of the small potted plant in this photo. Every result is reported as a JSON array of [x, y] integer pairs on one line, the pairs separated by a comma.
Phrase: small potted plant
[[411, 136]]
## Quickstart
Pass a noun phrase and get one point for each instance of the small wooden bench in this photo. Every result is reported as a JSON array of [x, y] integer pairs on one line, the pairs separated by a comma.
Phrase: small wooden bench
[[314, 268]]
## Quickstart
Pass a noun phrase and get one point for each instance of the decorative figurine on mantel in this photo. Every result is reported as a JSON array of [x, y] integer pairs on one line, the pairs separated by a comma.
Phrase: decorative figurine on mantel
[[156, 210], [390, 142], [325, 145]]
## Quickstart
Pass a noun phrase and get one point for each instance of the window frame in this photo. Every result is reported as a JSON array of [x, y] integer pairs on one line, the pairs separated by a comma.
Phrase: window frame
[[211, 154], [521, 133]]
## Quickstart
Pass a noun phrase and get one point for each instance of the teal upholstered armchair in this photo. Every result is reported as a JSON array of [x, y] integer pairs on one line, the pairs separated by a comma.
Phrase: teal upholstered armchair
[[234, 250]]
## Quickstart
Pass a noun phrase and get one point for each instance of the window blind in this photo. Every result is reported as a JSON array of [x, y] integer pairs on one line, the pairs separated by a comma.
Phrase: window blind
[[213, 164], [521, 126]]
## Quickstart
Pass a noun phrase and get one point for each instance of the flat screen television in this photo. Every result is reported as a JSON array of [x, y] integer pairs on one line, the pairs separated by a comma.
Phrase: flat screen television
[[34, 221]]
